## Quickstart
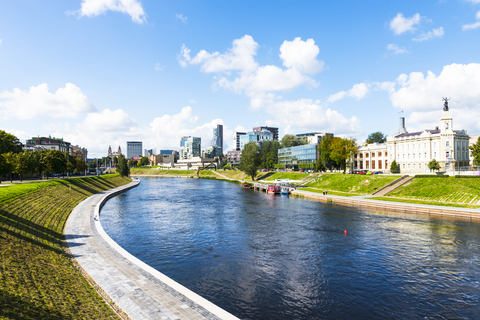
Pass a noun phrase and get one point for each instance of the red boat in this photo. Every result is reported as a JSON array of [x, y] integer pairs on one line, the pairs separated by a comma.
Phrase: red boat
[[274, 189]]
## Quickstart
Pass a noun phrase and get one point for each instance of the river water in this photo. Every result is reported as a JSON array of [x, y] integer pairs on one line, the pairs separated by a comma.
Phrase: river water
[[261, 256]]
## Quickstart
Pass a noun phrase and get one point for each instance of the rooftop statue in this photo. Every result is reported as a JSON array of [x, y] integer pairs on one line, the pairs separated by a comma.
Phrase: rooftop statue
[[445, 108]]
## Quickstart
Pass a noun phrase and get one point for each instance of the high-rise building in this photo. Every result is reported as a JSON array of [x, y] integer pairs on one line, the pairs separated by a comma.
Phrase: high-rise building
[[217, 140], [134, 149], [256, 136], [273, 130], [314, 137], [237, 140], [183, 140], [191, 148]]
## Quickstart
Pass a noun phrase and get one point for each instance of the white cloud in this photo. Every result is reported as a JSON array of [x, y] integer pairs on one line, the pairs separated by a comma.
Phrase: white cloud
[[301, 55], [1, 41], [435, 33], [158, 67], [67, 102], [358, 91], [396, 49], [192, 101], [474, 1], [133, 8], [181, 17], [422, 95], [184, 56], [472, 25], [400, 24]]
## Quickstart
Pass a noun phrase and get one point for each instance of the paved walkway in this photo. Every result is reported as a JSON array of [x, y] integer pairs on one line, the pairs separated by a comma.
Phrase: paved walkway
[[137, 289]]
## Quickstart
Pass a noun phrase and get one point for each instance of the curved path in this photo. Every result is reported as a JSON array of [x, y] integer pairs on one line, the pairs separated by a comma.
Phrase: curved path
[[137, 289]]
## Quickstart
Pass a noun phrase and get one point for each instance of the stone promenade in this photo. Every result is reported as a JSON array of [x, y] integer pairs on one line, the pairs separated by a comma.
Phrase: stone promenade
[[137, 289]]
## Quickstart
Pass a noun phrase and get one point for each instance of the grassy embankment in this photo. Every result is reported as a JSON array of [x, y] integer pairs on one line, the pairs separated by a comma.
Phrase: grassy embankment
[[168, 172], [445, 191], [38, 279], [349, 184]]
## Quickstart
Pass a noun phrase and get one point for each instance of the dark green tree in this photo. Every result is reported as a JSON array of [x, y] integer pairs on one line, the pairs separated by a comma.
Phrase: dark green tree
[[324, 162], [290, 140], [132, 163], [55, 161], [122, 167], [9, 143], [250, 160], [475, 152], [39, 162], [394, 167], [434, 165], [269, 153], [25, 163], [143, 161], [342, 151], [378, 137]]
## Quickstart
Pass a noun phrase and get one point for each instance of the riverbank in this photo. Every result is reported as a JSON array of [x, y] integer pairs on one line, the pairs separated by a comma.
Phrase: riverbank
[[38, 277]]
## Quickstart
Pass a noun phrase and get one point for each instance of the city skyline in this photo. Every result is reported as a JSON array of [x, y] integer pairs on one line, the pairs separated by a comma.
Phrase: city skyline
[[100, 73]]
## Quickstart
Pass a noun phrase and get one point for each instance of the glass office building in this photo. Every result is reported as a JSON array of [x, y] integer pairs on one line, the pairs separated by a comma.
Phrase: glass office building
[[134, 149], [255, 136], [304, 156]]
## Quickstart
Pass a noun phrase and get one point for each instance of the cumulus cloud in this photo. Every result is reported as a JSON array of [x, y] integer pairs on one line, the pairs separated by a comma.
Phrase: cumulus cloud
[[301, 55], [67, 102], [181, 17], [400, 24], [394, 49], [421, 94], [435, 33], [358, 91], [472, 25], [158, 67], [133, 8]]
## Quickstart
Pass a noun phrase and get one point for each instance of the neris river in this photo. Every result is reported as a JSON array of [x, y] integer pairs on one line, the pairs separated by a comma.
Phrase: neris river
[[261, 256]]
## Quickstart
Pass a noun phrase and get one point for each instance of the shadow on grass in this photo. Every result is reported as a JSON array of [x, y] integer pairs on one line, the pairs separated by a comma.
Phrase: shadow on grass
[[14, 221], [21, 307], [34, 242]]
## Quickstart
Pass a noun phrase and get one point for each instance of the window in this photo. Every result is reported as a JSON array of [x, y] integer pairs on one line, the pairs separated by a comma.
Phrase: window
[[404, 166], [419, 166], [409, 166], [447, 143], [413, 166], [447, 154], [413, 155], [425, 155], [434, 155], [434, 144]]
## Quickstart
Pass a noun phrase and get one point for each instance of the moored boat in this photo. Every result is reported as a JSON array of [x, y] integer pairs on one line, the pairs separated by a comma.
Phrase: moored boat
[[285, 191], [273, 189]]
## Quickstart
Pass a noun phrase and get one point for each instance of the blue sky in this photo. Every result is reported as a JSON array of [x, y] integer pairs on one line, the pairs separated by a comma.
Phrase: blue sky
[[101, 72]]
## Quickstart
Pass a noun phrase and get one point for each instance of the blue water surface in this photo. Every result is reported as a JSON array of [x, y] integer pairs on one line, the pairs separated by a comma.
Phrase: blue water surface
[[262, 256]]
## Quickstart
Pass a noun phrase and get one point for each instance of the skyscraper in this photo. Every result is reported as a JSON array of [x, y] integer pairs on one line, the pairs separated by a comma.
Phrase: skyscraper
[[217, 140], [134, 149]]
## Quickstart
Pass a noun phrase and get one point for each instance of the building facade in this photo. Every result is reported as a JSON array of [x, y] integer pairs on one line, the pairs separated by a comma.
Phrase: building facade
[[50, 143], [273, 130], [413, 151], [237, 139], [233, 157], [217, 140], [314, 137], [299, 157], [191, 148], [256, 136], [134, 149]]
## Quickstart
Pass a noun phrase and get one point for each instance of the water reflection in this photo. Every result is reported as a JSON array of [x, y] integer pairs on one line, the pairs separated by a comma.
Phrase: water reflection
[[270, 257]]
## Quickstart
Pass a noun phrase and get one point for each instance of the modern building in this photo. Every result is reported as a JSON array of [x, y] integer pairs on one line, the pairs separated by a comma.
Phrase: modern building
[[161, 160], [212, 152], [256, 136], [134, 149], [183, 140], [237, 139], [314, 137], [273, 130], [233, 157], [217, 140], [50, 143], [191, 148], [299, 157], [167, 152], [413, 151], [147, 152]]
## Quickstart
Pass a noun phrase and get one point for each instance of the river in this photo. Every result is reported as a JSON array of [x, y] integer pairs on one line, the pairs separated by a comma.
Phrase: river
[[262, 256]]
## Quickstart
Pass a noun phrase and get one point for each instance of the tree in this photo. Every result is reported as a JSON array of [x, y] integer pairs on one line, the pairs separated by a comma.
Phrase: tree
[[376, 137], [55, 161], [394, 167], [434, 165], [9, 143], [342, 150], [289, 140], [143, 162], [132, 163], [80, 166], [475, 152], [25, 163], [122, 167], [71, 164], [39, 162], [250, 160], [324, 162], [269, 153]]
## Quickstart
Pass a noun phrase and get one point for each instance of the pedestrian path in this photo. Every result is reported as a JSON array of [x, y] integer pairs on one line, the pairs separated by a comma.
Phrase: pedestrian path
[[137, 289]]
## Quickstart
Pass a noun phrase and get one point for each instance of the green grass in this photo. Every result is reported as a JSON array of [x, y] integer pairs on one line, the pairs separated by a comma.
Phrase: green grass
[[172, 172], [436, 203], [447, 190], [351, 183], [285, 175], [38, 279], [330, 192]]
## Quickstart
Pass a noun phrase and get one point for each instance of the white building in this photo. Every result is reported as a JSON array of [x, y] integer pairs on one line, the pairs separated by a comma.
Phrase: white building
[[191, 148], [413, 151]]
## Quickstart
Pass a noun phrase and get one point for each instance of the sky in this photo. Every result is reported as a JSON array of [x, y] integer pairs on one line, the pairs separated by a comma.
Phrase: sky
[[99, 73]]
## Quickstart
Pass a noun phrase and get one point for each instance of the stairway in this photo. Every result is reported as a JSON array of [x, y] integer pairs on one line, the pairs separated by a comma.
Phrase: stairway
[[392, 186]]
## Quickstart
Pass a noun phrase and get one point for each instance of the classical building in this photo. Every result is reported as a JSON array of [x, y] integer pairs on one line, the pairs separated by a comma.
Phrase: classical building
[[413, 151], [80, 153], [114, 154], [134, 149], [50, 143]]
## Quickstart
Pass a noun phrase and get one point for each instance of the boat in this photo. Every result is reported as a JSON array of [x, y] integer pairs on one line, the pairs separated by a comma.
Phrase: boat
[[273, 189], [247, 186], [285, 191]]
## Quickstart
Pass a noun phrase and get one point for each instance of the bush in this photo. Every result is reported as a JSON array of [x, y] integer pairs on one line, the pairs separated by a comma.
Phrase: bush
[[468, 177]]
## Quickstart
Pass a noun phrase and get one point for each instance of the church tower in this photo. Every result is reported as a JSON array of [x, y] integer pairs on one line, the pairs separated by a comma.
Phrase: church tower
[[109, 151], [446, 122]]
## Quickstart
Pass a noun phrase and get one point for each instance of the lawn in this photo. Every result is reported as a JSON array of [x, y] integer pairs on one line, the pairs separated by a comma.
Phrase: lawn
[[285, 175], [435, 203], [168, 172], [330, 192], [38, 279], [449, 190], [351, 183]]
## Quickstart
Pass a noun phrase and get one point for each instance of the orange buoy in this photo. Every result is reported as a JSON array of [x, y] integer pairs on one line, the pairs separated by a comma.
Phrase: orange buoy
[[345, 233]]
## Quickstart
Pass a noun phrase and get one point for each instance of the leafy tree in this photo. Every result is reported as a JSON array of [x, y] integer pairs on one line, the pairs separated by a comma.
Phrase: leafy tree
[[115, 161], [394, 167], [39, 162], [434, 165], [269, 153], [122, 167], [10, 163], [55, 161], [3, 166], [71, 164], [25, 163], [132, 163], [290, 140], [80, 166], [475, 152], [342, 150], [143, 161], [250, 160], [9, 143], [376, 137], [324, 148]]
